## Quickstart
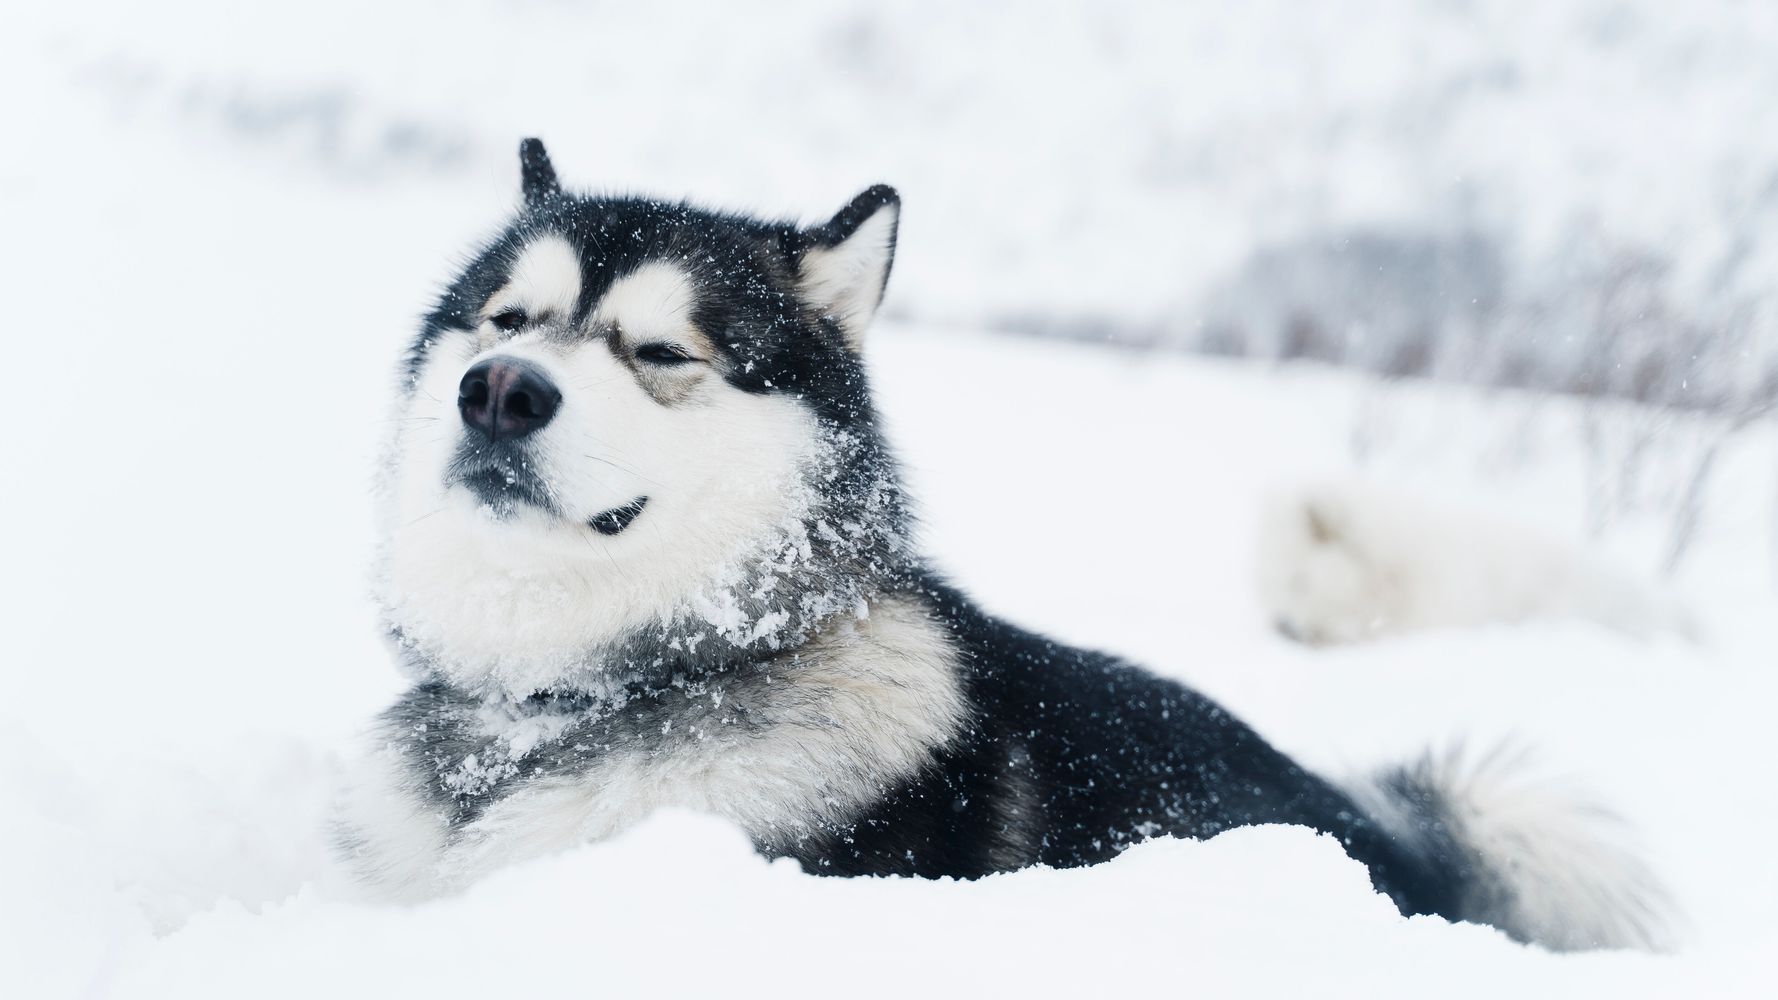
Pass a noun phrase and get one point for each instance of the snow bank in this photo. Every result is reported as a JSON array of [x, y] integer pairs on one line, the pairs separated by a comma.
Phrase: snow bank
[[681, 906]]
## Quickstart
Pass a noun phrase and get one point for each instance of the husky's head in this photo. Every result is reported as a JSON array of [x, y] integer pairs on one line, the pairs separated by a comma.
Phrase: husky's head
[[634, 437]]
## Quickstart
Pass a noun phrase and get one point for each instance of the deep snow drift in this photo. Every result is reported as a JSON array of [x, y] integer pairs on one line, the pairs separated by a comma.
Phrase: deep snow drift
[[204, 331]]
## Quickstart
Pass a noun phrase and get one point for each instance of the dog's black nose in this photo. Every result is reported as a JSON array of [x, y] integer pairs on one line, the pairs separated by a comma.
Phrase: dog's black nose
[[507, 398]]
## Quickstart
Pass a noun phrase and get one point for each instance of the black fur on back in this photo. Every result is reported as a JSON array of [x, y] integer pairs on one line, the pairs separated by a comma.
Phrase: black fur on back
[[1072, 756]]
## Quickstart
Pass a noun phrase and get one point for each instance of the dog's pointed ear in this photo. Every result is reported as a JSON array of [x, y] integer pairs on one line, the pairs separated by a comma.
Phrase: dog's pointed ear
[[843, 265], [539, 177]]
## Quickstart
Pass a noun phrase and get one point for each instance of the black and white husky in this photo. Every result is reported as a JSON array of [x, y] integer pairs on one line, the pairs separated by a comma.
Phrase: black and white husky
[[645, 546]]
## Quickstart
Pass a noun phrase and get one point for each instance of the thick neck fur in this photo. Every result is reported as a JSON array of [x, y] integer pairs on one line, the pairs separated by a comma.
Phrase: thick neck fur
[[537, 617]]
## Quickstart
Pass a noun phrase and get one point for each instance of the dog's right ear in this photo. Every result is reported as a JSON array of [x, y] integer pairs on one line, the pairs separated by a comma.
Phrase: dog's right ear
[[842, 266], [539, 176]]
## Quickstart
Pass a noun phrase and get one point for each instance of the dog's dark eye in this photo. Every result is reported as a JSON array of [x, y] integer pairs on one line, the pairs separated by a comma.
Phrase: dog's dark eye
[[661, 354], [510, 320]]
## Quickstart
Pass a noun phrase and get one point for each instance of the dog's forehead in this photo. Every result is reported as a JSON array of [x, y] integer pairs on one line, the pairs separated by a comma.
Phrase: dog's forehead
[[655, 297], [549, 277], [615, 260], [544, 278]]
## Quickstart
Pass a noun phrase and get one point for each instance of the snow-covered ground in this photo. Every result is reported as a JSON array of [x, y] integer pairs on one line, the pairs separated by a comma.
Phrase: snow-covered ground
[[218, 229]]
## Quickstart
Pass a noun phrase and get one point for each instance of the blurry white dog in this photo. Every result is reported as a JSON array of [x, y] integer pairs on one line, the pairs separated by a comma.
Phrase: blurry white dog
[[1344, 562]]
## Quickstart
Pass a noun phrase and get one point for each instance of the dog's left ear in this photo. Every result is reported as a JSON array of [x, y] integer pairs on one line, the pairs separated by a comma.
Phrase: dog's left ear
[[539, 175], [843, 265]]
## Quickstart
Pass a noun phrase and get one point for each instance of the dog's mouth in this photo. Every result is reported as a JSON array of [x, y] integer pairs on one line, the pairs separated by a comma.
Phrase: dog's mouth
[[504, 490], [503, 483], [617, 519], [501, 478]]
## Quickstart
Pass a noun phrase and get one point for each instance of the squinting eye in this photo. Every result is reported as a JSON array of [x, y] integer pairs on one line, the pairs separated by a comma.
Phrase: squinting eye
[[510, 320], [663, 354]]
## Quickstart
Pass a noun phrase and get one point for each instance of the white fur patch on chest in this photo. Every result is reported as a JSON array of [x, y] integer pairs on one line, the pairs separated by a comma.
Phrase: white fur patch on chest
[[827, 732]]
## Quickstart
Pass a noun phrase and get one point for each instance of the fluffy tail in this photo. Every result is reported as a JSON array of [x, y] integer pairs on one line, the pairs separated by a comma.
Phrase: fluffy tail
[[1542, 866]]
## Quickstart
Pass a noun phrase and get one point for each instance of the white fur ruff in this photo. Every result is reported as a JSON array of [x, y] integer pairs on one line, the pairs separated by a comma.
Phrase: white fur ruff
[[854, 712]]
